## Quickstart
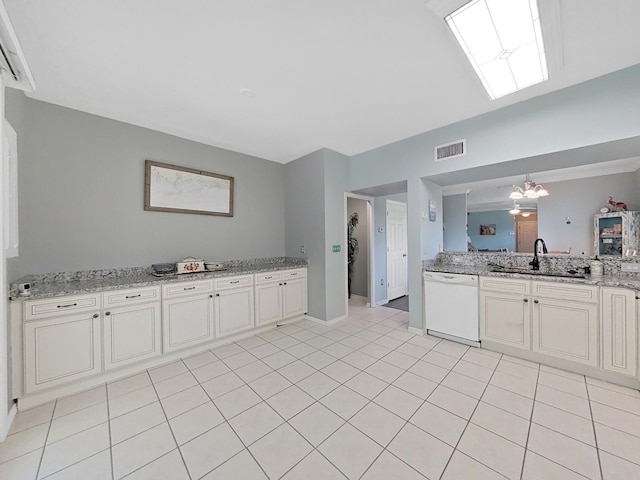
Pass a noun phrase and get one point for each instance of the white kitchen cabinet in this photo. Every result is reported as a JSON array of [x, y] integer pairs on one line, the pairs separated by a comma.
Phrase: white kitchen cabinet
[[566, 329], [619, 330], [61, 349], [187, 315], [280, 295], [505, 318], [132, 329], [234, 305]]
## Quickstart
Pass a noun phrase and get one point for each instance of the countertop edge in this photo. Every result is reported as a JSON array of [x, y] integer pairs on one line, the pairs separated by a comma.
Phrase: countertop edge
[[603, 281], [97, 285]]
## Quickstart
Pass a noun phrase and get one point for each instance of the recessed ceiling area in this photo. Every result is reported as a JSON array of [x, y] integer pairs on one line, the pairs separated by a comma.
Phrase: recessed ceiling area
[[284, 78]]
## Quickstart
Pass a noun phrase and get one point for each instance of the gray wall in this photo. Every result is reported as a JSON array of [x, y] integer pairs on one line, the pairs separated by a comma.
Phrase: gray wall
[[505, 230], [336, 183], [380, 244], [454, 221], [81, 187], [304, 225], [315, 208], [579, 200], [359, 280]]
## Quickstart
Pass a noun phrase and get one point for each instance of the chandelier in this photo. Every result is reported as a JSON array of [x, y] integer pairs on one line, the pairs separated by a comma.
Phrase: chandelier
[[529, 189]]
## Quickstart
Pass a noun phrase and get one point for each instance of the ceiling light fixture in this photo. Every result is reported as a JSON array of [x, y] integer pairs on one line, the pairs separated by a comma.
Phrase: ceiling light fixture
[[529, 189], [503, 42], [515, 210], [526, 214]]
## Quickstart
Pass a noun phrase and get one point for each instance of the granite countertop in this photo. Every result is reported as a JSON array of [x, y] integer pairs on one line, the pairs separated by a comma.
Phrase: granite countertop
[[61, 285], [486, 270]]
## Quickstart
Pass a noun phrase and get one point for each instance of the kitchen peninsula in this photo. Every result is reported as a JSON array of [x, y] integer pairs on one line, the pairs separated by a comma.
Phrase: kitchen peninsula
[[557, 315]]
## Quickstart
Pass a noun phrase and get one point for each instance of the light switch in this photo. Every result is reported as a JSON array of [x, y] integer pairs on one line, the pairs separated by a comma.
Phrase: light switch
[[335, 248], [303, 249]]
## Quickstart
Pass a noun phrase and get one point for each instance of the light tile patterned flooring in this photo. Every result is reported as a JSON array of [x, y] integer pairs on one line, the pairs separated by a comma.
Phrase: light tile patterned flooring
[[362, 399]]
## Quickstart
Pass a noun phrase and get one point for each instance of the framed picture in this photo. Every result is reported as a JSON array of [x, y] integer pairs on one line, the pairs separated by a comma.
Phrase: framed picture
[[432, 211], [170, 188], [488, 229]]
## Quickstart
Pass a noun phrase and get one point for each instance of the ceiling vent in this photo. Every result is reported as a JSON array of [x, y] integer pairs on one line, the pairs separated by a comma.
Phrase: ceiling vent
[[13, 64], [451, 150]]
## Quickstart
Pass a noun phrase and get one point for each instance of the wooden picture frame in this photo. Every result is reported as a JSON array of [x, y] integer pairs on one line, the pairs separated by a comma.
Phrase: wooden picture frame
[[171, 188]]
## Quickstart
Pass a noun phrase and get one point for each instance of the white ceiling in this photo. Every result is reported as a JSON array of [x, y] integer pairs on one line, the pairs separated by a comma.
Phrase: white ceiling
[[349, 75]]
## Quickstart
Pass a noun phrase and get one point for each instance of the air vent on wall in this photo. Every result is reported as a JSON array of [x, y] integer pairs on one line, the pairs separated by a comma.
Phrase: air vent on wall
[[451, 150]]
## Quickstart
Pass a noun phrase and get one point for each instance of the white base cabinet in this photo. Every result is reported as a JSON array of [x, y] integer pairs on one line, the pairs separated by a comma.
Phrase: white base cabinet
[[567, 330], [60, 350], [280, 295], [234, 305], [187, 321], [619, 331], [505, 319], [131, 334]]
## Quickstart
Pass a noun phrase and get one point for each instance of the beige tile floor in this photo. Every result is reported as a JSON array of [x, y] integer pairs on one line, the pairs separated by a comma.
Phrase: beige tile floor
[[362, 399]]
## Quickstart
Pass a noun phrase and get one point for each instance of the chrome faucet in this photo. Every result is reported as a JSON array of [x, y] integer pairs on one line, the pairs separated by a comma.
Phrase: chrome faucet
[[535, 263]]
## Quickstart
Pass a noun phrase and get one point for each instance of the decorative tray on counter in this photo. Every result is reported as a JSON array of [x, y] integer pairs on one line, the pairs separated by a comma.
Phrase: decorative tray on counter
[[175, 274]]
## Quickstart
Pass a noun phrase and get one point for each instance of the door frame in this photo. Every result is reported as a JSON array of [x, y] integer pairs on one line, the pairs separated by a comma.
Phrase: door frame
[[370, 273], [386, 253]]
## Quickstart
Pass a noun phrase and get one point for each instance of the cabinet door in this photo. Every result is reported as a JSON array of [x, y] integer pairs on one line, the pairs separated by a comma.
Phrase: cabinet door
[[268, 303], [294, 297], [61, 350], [187, 321], [234, 311], [505, 319], [619, 347], [567, 330], [131, 334]]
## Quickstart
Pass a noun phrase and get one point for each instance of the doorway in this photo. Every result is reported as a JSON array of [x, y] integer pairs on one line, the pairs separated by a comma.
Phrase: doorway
[[526, 232], [360, 266], [396, 249]]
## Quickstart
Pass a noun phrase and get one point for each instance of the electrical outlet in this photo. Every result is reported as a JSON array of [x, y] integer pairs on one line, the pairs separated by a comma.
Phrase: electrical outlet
[[630, 267], [303, 249]]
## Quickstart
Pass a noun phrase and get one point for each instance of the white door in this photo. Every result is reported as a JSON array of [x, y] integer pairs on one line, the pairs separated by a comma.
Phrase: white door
[[396, 249]]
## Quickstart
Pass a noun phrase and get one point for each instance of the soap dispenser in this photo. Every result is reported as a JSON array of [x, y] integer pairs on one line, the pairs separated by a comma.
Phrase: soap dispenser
[[597, 267]]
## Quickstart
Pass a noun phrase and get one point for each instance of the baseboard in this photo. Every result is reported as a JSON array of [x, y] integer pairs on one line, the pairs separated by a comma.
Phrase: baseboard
[[8, 421], [359, 297], [417, 331], [326, 322], [382, 302]]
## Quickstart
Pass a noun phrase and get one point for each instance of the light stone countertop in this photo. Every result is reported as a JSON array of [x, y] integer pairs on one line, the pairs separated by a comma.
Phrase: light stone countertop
[[133, 278], [484, 270]]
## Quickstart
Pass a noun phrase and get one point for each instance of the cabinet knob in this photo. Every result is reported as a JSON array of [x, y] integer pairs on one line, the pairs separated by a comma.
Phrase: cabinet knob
[[95, 315], [107, 313], [285, 283], [211, 296], [217, 294], [526, 300], [281, 285], [536, 301]]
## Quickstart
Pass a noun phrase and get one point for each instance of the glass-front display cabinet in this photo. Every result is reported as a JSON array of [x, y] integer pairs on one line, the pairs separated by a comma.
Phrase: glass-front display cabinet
[[617, 233]]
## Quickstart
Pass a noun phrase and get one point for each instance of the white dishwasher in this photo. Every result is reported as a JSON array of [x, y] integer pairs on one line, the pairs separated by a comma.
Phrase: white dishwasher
[[451, 307]]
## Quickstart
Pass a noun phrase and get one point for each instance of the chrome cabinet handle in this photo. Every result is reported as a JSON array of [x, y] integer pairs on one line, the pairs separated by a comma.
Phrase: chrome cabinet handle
[[294, 274], [189, 288], [270, 276], [133, 296], [235, 281]]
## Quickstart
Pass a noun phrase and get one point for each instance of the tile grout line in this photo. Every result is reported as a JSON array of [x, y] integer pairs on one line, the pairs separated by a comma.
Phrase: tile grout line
[[44, 447], [113, 474], [593, 426], [526, 444]]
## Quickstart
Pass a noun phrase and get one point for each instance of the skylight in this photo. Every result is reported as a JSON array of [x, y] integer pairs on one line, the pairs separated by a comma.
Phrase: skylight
[[503, 41]]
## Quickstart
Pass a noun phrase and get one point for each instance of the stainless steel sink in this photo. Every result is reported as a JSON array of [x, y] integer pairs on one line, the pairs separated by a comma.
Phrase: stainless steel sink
[[526, 271]]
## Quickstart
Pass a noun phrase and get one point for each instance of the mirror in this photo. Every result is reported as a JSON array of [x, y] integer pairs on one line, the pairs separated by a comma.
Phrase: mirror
[[564, 219]]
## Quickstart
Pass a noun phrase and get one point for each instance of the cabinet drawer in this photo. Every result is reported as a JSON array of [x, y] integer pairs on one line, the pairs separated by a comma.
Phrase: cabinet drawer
[[298, 272], [565, 291], [505, 285], [186, 288], [50, 307], [268, 277], [130, 296], [234, 282]]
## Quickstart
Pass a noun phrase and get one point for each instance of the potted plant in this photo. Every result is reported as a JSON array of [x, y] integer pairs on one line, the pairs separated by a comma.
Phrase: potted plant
[[352, 248]]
